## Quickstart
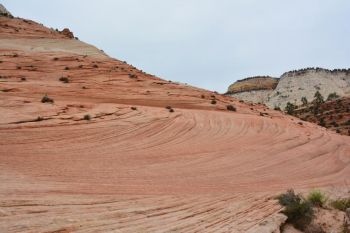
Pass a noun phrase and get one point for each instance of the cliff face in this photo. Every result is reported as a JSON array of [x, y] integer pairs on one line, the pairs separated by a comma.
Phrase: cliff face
[[253, 84], [294, 85]]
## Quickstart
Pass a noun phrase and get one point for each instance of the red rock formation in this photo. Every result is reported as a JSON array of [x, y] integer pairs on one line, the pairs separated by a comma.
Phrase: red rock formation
[[68, 33], [145, 169]]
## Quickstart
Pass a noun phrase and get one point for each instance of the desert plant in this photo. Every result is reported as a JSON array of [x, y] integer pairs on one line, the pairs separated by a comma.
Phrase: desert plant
[[332, 96], [213, 102], [231, 108], [46, 99], [335, 124], [341, 204], [64, 79], [66, 68], [304, 100], [290, 108], [168, 107], [133, 108], [87, 117], [322, 122], [298, 210], [277, 108], [134, 76], [171, 110], [318, 98], [317, 198], [39, 118]]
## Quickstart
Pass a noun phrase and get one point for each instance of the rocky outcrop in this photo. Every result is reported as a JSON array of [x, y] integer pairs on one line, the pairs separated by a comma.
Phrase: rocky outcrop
[[292, 86], [270, 225], [253, 84], [5, 12], [333, 114], [107, 155], [254, 96], [304, 83], [68, 33]]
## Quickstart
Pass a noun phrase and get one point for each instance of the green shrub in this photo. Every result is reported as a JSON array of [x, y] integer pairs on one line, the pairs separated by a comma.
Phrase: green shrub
[[46, 99], [317, 198], [332, 96], [231, 108], [298, 210], [64, 79], [87, 117], [322, 122], [290, 108], [341, 204], [318, 98], [304, 100]]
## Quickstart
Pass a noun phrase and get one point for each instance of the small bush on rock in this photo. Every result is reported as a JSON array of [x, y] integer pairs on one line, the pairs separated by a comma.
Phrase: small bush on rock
[[290, 108], [231, 108], [298, 210], [64, 79], [46, 99], [87, 117], [341, 204], [317, 198]]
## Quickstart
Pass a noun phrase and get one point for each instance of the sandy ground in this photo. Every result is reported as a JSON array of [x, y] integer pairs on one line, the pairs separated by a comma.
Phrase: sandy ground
[[200, 168]]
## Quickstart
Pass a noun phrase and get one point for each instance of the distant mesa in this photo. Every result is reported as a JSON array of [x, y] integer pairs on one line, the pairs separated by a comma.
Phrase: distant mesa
[[292, 86], [253, 83]]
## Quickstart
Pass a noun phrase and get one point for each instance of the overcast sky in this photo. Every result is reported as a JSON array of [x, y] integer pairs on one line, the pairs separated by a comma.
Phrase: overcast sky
[[206, 43]]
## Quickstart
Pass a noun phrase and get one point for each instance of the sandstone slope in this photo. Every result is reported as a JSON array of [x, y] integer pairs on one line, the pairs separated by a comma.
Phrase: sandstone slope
[[200, 168]]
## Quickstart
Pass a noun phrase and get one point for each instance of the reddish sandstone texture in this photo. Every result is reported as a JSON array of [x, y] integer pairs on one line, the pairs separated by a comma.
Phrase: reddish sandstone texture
[[135, 166]]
